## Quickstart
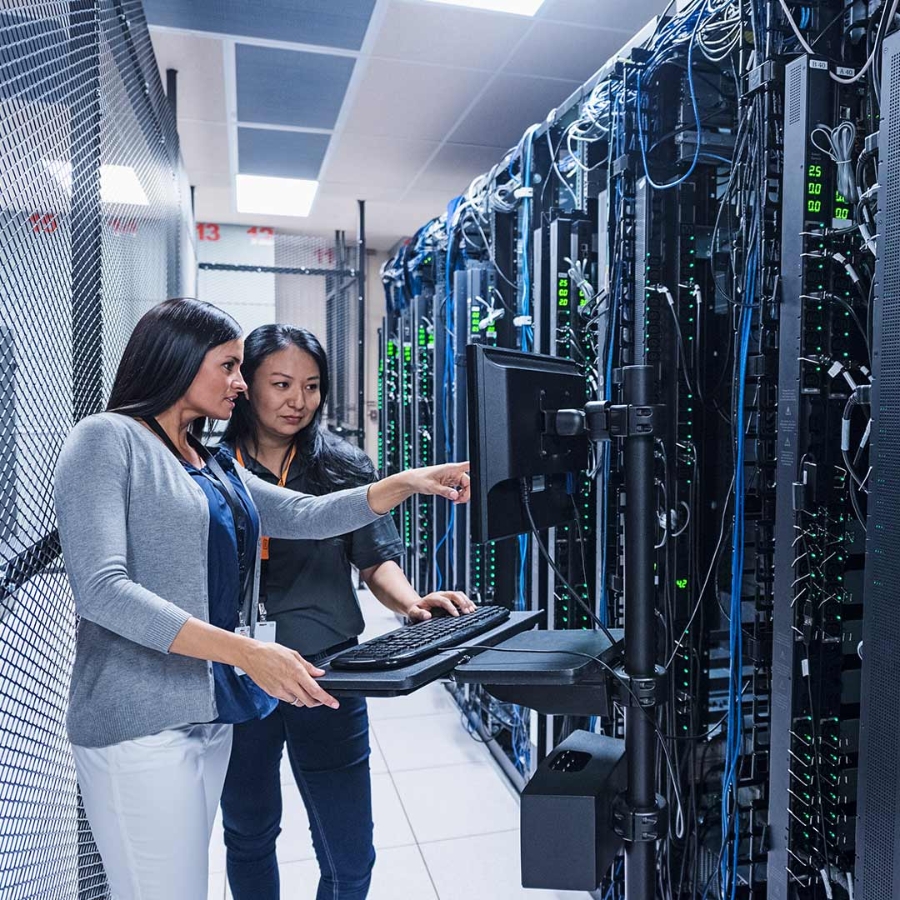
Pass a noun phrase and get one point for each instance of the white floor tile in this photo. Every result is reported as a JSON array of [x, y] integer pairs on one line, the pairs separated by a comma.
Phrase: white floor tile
[[399, 874], [491, 872], [295, 841], [216, 886], [375, 612], [456, 801], [391, 825], [217, 847], [438, 740], [377, 625], [377, 764], [287, 776], [430, 700]]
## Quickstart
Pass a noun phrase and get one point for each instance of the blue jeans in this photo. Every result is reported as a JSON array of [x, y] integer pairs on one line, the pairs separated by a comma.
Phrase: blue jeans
[[329, 755]]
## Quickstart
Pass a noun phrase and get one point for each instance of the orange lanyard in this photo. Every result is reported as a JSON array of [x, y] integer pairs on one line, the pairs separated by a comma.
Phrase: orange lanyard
[[282, 481]]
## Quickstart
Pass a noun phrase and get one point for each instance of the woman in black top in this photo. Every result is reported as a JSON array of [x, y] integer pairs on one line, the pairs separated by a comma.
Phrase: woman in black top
[[308, 593]]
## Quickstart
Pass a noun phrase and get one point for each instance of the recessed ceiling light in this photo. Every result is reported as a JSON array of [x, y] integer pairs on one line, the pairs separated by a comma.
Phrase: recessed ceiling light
[[275, 196], [516, 7], [118, 184]]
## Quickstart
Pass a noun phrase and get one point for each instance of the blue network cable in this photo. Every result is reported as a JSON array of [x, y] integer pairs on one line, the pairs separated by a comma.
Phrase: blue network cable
[[607, 395], [734, 740], [612, 888], [694, 106], [448, 386], [521, 603], [526, 335]]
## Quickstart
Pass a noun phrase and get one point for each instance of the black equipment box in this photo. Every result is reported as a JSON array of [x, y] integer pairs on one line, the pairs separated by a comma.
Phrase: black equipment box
[[568, 841]]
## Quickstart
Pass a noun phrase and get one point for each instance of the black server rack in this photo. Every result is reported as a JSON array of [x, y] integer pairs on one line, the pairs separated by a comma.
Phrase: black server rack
[[878, 847], [818, 543]]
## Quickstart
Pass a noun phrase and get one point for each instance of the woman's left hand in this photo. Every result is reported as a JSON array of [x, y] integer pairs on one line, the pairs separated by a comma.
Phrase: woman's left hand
[[454, 602]]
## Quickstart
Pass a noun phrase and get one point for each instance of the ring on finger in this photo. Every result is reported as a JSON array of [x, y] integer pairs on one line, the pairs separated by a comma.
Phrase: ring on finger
[[295, 701]]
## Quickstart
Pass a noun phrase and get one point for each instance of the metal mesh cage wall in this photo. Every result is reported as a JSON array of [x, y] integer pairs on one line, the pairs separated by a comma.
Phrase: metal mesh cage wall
[[95, 228], [261, 276]]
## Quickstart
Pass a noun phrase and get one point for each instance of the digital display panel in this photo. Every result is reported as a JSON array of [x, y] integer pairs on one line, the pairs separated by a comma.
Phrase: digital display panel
[[814, 190]]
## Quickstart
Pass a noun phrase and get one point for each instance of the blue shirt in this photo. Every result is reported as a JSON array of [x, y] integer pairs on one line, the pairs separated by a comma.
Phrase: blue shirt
[[238, 698]]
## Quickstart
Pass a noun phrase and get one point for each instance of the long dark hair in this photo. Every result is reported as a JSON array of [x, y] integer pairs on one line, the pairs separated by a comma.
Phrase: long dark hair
[[329, 463], [164, 354]]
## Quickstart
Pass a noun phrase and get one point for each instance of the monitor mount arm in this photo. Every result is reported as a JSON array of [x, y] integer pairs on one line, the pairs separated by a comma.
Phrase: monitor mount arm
[[601, 420]]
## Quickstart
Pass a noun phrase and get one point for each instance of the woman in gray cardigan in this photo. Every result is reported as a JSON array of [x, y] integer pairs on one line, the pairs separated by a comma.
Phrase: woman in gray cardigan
[[160, 540]]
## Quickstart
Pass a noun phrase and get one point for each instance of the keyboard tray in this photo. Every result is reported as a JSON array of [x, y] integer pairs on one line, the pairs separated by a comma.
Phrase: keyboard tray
[[405, 680], [553, 681]]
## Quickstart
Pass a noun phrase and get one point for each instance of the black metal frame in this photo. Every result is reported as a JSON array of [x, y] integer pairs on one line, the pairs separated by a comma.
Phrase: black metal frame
[[878, 808]]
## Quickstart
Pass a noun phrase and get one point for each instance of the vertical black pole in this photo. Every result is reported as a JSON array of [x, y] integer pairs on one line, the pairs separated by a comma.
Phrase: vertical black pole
[[173, 263], [87, 248], [640, 636], [361, 329], [172, 91], [333, 302]]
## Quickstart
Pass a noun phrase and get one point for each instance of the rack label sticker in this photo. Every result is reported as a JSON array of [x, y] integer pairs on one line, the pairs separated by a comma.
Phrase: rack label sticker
[[845, 71], [818, 64], [208, 231], [261, 236], [43, 223]]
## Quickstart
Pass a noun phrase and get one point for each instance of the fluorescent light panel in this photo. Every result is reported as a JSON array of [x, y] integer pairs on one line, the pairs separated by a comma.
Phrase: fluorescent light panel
[[516, 7], [274, 196], [118, 184]]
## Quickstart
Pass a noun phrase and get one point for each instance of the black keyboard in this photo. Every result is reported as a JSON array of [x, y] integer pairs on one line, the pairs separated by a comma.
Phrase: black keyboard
[[414, 642]]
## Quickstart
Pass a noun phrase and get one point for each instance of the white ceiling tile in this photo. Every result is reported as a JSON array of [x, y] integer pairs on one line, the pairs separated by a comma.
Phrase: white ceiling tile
[[423, 70], [376, 162], [410, 100], [631, 15], [456, 165], [387, 222], [201, 78], [204, 147], [509, 105], [448, 35], [357, 191], [557, 50], [213, 204]]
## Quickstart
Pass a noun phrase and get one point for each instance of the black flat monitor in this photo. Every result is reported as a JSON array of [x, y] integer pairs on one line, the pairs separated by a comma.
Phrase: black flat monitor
[[508, 393]]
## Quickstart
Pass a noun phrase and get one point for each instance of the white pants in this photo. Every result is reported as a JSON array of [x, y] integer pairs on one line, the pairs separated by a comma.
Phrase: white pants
[[151, 804]]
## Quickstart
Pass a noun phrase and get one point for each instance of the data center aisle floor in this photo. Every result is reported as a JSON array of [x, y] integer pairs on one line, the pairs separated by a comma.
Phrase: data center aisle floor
[[446, 819]]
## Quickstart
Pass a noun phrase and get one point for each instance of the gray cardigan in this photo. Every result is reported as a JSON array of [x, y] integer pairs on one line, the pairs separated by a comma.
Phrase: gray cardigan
[[133, 528]]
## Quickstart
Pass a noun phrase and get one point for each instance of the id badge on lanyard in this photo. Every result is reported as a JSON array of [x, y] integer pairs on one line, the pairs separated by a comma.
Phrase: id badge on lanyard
[[265, 630]]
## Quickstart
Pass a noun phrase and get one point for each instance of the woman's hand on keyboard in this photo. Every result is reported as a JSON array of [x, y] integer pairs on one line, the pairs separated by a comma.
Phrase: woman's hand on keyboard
[[451, 602], [285, 674]]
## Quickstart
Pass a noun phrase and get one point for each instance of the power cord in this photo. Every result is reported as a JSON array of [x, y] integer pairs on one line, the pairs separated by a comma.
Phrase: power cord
[[525, 492]]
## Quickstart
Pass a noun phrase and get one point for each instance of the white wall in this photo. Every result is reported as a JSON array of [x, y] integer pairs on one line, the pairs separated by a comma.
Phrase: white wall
[[256, 298]]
